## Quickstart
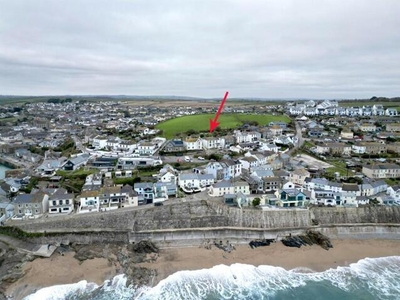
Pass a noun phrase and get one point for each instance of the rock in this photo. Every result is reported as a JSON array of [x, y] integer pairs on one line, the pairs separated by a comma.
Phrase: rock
[[144, 247], [311, 237], [260, 243], [84, 252]]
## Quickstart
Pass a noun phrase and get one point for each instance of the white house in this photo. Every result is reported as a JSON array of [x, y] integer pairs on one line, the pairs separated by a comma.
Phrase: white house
[[213, 143], [188, 181], [249, 162], [246, 137], [359, 148], [88, 201], [61, 204], [100, 142], [168, 177], [224, 169], [146, 148], [205, 179], [226, 187], [394, 192], [193, 143]]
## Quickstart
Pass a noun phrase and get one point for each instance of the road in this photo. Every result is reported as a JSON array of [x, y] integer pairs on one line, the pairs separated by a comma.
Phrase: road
[[300, 139], [79, 145], [173, 159]]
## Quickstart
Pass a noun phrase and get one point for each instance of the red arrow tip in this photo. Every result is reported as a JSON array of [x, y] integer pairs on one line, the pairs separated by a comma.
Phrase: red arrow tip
[[213, 125]]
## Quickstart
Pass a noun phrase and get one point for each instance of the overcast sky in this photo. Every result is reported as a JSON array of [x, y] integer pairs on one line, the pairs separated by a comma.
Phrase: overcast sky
[[257, 48]]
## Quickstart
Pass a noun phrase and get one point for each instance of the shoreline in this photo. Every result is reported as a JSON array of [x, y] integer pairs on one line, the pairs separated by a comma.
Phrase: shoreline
[[314, 258], [56, 270]]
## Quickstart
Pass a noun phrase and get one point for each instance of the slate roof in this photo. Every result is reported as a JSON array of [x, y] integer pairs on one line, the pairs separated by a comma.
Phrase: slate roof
[[350, 187], [223, 184], [143, 185], [29, 198], [188, 176]]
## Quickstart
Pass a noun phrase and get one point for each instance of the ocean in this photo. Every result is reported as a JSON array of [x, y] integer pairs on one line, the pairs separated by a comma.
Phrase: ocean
[[370, 278], [3, 170]]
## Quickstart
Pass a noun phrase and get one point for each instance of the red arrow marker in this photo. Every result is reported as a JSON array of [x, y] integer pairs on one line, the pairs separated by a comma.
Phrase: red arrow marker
[[214, 123]]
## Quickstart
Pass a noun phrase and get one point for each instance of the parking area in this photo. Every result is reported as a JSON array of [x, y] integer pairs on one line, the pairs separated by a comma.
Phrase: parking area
[[312, 162]]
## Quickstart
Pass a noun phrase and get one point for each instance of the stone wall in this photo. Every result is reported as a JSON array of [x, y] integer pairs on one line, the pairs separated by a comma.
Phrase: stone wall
[[197, 214], [362, 231], [376, 214], [205, 214], [88, 237], [197, 236]]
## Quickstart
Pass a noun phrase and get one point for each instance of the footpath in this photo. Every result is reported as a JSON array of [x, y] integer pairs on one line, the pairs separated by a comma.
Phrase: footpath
[[34, 249]]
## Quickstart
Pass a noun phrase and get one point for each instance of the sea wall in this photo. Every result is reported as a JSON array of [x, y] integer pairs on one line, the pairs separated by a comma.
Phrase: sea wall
[[193, 222], [362, 231], [359, 215], [83, 237], [9, 163], [197, 214], [197, 236]]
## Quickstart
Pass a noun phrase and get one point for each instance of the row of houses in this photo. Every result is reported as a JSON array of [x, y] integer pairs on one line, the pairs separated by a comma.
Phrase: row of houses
[[357, 148], [118, 145], [331, 110], [280, 191], [238, 137]]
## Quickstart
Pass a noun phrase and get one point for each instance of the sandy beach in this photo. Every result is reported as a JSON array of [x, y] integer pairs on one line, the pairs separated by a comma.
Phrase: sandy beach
[[44, 272], [66, 269]]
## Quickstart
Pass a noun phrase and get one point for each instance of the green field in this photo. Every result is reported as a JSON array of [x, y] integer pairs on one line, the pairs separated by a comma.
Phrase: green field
[[202, 122]]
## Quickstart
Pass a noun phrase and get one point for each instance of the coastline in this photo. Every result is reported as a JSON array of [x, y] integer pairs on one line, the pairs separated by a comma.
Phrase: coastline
[[59, 269]]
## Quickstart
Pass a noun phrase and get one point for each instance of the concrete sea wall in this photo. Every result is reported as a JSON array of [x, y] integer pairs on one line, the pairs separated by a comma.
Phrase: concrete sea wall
[[190, 223]]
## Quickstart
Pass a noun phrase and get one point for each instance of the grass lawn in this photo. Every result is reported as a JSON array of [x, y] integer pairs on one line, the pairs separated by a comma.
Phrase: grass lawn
[[202, 122], [339, 166], [80, 173]]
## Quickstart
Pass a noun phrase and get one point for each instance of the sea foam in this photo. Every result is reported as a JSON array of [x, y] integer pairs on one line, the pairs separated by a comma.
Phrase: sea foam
[[60, 292]]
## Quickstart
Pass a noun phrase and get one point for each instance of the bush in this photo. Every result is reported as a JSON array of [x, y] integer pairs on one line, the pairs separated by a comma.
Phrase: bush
[[256, 202]]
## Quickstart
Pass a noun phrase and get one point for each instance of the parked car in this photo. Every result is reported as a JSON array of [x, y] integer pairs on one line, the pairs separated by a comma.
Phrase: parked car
[[158, 204], [200, 158]]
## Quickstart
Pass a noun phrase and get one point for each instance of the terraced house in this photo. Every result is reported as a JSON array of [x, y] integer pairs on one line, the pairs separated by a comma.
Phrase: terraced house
[[381, 171], [369, 148], [61, 203], [31, 205]]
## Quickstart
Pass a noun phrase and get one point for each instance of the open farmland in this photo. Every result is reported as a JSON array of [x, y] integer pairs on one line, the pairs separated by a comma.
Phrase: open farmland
[[201, 122]]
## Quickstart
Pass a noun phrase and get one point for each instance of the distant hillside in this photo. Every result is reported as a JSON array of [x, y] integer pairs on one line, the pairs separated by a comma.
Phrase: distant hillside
[[11, 99]]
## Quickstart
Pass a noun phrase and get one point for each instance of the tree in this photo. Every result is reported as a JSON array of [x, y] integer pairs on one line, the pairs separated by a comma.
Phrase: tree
[[256, 202]]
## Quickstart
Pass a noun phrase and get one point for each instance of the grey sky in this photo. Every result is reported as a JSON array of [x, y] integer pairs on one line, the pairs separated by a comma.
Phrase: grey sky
[[257, 48]]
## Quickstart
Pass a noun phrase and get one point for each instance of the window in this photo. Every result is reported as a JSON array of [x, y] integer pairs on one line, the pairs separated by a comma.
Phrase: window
[[67, 202], [54, 203], [65, 208], [60, 202], [36, 211]]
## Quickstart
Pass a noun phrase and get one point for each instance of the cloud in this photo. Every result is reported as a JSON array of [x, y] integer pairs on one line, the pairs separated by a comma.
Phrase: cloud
[[317, 49]]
